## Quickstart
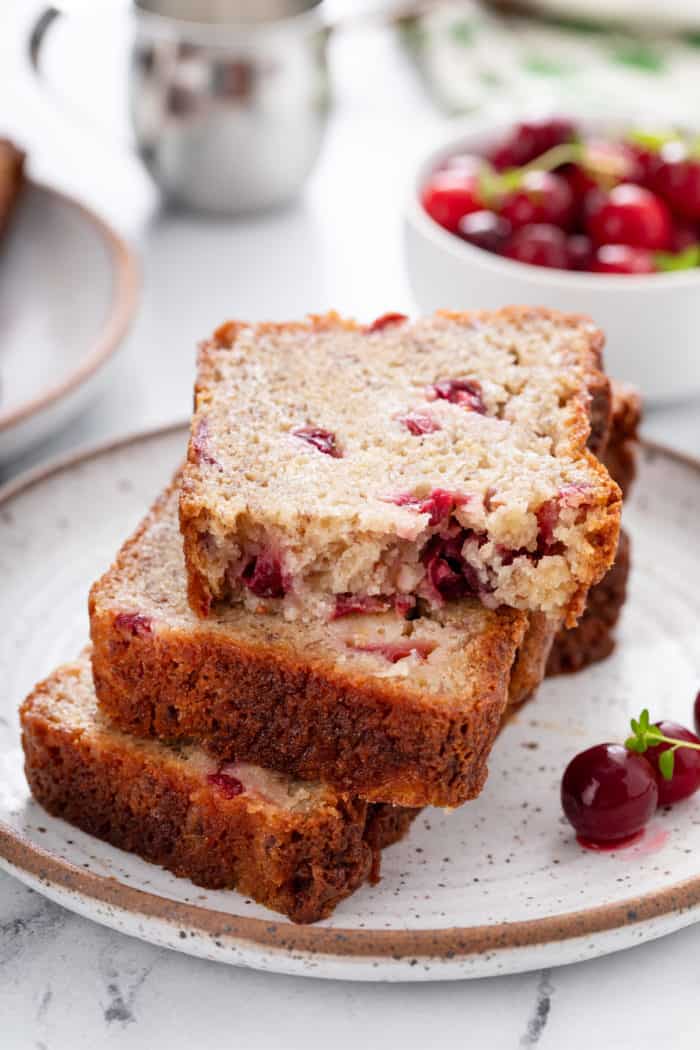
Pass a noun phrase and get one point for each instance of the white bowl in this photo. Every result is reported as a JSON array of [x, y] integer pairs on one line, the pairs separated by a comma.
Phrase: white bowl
[[652, 323]]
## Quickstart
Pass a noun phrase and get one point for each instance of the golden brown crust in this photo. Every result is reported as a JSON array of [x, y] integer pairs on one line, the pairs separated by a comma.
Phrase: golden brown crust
[[264, 702], [261, 708], [387, 825], [192, 526], [588, 426], [301, 864]]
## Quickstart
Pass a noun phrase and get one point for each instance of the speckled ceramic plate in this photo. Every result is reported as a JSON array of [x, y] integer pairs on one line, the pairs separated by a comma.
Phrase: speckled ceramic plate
[[496, 887], [68, 287]]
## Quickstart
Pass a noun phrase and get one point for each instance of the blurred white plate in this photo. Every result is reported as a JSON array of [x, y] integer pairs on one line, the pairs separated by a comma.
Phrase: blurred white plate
[[68, 287], [498, 886], [673, 15]]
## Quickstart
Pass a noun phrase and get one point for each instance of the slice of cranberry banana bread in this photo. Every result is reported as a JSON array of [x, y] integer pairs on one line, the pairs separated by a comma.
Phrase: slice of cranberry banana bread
[[620, 452], [531, 660], [391, 709], [331, 463], [296, 847], [593, 637]]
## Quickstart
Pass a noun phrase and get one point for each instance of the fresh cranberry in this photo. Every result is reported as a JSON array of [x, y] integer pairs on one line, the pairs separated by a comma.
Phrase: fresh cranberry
[[552, 131], [630, 215], [506, 156], [677, 179], [539, 245], [685, 235], [696, 713], [323, 440], [135, 624], [580, 182], [541, 198], [606, 164], [646, 162], [484, 229], [580, 252], [419, 423], [450, 576], [395, 651], [385, 321], [449, 195], [263, 576], [229, 786], [620, 258], [686, 764], [530, 140], [590, 203], [608, 793], [347, 604], [439, 504], [466, 392]]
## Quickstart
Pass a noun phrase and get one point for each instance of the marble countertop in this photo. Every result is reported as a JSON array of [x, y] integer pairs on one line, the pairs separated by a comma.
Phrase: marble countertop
[[65, 982], [68, 983]]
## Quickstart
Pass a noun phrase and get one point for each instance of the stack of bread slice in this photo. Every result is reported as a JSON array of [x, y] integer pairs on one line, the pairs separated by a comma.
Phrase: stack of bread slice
[[379, 540]]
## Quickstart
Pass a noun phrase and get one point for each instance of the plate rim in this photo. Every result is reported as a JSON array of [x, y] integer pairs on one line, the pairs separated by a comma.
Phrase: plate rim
[[452, 942], [120, 313]]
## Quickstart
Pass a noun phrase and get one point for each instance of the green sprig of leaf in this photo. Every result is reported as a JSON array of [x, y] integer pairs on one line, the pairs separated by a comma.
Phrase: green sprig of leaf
[[654, 141], [495, 184], [669, 262], [667, 761], [645, 735]]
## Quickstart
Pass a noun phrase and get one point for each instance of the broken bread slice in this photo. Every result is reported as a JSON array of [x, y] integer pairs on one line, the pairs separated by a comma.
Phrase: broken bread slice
[[389, 709], [296, 847], [403, 462]]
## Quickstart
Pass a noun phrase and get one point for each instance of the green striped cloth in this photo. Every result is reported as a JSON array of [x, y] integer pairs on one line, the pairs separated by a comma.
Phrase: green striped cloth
[[471, 57]]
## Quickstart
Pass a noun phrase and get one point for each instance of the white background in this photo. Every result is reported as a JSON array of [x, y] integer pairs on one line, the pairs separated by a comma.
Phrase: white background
[[65, 982]]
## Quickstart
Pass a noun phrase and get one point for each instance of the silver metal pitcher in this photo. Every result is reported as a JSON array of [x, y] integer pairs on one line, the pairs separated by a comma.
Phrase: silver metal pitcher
[[228, 98]]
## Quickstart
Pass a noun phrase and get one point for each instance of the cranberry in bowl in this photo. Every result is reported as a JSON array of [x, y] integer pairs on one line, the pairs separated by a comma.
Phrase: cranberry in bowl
[[586, 219]]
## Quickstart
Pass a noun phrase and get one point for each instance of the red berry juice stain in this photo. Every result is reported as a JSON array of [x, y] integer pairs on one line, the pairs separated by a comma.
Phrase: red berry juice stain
[[644, 842], [610, 847], [653, 841]]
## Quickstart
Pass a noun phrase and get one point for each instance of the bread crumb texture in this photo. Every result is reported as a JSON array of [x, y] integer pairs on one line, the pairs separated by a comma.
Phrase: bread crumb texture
[[420, 461]]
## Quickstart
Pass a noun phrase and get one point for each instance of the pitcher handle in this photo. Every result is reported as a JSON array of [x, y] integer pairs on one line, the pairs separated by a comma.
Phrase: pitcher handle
[[38, 34]]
